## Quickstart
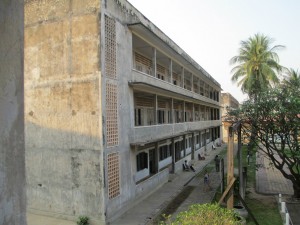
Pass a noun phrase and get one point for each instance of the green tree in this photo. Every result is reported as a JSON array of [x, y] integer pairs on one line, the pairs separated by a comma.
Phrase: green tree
[[256, 67], [292, 79], [275, 117]]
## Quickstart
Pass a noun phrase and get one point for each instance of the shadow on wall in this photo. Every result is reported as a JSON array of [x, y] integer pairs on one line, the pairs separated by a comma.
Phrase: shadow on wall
[[64, 172]]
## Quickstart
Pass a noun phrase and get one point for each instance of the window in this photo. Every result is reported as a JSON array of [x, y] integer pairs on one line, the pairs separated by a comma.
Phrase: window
[[164, 152], [141, 161], [161, 72], [161, 116], [197, 139], [144, 109], [203, 139], [208, 136], [139, 67], [201, 87], [138, 117], [143, 116], [143, 64], [176, 79]]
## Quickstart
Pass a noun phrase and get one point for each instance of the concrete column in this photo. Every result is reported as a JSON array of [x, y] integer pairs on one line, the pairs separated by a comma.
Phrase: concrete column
[[173, 155], [12, 151], [172, 111], [205, 136], [155, 110], [154, 62], [193, 116], [200, 140], [156, 155], [283, 207], [192, 83], [279, 198], [287, 219], [193, 145], [171, 71], [184, 144], [184, 119], [182, 76]]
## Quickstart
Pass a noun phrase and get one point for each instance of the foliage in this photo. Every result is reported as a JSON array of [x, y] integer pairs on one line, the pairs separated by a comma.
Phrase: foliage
[[83, 220], [257, 65], [206, 214], [274, 118], [292, 79]]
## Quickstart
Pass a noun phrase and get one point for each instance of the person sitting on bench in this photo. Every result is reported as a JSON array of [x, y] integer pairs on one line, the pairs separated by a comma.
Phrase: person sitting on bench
[[185, 166], [213, 147], [200, 157]]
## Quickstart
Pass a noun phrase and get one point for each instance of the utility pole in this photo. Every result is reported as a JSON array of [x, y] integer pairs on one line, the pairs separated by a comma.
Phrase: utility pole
[[240, 163], [230, 167]]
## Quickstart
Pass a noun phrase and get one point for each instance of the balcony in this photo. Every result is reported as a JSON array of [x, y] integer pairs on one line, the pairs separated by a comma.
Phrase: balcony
[[160, 62], [144, 82], [147, 134]]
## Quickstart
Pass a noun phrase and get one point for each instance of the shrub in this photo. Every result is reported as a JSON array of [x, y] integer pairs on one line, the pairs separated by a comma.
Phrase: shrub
[[83, 220], [206, 214]]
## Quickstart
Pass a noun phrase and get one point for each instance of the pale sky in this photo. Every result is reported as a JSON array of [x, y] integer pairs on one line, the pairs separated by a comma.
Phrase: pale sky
[[210, 31]]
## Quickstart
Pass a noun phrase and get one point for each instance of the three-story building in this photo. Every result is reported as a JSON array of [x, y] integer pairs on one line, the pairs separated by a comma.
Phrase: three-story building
[[113, 106]]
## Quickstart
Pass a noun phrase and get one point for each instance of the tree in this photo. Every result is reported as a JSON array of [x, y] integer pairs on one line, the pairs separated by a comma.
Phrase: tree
[[275, 117], [257, 65], [292, 79]]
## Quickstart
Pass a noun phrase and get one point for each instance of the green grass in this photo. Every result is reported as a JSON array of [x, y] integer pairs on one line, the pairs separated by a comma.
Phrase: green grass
[[264, 213]]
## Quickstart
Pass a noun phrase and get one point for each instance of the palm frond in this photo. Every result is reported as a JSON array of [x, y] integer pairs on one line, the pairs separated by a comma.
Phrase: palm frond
[[256, 67]]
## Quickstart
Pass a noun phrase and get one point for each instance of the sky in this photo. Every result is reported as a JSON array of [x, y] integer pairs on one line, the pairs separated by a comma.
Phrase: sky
[[210, 31]]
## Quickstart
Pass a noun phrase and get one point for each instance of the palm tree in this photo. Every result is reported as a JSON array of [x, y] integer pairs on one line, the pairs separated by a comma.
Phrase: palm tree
[[257, 65], [292, 79]]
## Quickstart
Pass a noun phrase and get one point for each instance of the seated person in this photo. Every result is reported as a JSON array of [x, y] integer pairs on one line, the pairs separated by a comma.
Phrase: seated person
[[213, 147], [200, 157], [185, 166]]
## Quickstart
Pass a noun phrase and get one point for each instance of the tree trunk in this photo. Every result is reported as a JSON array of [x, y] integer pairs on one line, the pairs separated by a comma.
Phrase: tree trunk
[[296, 188]]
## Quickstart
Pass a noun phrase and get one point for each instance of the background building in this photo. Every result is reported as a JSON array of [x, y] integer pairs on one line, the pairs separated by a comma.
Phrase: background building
[[228, 102], [113, 106]]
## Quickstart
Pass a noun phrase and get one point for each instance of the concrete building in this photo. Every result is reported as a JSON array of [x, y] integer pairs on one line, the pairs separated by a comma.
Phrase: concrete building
[[228, 102], [113, 106], [12, 149]]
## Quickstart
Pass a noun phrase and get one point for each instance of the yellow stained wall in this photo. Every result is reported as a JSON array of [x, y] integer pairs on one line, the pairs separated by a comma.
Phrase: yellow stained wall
[[63, 107], [62, 63]]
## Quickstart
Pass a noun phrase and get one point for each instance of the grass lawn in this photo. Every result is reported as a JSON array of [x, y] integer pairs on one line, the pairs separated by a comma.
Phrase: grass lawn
[[264, 211]]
